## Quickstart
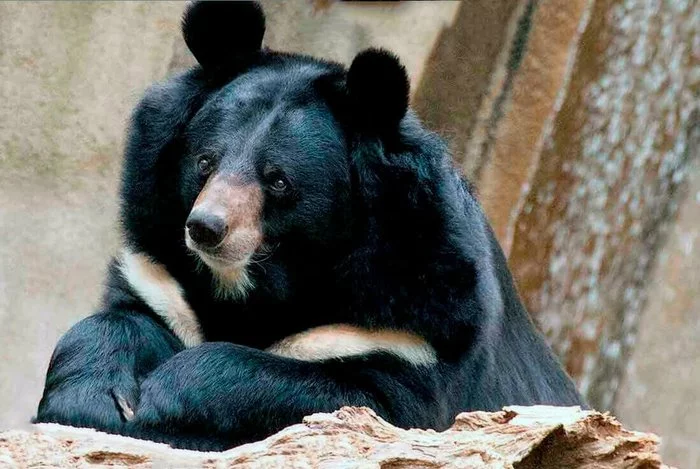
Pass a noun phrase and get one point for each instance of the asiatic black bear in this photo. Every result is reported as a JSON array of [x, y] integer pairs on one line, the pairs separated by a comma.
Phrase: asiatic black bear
[[296, 241]]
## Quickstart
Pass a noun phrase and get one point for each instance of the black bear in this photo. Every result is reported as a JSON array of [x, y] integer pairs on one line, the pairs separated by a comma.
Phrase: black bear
[[296, 241]]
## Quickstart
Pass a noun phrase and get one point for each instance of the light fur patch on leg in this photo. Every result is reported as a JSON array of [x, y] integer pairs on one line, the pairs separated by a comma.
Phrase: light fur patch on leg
[[161, 292], [342, 340]]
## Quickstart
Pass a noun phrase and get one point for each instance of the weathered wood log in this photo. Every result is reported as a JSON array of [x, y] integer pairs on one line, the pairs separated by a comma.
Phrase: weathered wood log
[[517, 437]]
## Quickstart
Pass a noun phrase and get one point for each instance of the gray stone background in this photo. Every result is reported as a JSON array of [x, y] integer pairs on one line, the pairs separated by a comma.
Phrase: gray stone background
[[577, 120]]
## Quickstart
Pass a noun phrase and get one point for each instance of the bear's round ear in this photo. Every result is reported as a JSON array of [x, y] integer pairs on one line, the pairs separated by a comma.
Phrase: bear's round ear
[[378, 89], [219, 33]]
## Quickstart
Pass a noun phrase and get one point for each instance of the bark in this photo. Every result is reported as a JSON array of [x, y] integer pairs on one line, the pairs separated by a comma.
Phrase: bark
[[517, 437]]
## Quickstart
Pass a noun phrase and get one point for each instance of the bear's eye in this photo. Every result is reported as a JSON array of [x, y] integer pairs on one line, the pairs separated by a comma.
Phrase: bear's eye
[[276, 181], [279, 185], [205, 166]]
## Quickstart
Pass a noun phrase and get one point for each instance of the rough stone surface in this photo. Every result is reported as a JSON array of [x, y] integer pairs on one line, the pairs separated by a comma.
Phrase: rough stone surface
[[660, 390], [342, 29], [580, 147], [608, 182], [521, 115], [465, 73], [517, 437]]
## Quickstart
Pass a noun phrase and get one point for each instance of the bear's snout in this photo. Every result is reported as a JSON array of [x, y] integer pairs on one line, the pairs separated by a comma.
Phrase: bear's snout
[[205, 229], [225, 226]]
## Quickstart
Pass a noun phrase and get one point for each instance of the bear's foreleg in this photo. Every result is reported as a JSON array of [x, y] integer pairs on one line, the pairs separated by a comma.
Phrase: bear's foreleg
[[218, 395], [96, 369]]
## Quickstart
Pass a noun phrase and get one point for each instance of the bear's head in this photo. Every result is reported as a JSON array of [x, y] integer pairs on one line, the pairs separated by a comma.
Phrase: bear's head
[[263, 165]]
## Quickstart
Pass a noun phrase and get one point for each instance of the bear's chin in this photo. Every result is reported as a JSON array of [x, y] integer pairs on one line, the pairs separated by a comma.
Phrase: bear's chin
[[231, 281]]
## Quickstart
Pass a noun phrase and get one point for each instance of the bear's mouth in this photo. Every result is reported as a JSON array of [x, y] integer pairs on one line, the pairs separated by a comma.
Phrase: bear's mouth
[[219, 263], [230, 272], [229, 255], [224, 228]]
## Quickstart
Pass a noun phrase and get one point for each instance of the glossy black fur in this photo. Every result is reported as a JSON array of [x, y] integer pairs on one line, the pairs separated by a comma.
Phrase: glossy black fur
[[378, 231]]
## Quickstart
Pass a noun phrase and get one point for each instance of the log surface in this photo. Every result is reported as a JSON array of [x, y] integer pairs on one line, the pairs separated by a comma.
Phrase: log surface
[[355, 437]]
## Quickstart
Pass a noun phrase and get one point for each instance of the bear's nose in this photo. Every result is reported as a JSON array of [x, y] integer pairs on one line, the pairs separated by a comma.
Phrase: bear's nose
[[205, 229]]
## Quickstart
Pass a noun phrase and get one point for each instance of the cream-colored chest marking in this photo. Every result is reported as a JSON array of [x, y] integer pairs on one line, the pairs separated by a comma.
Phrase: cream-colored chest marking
[[161, 292], [341, 340]]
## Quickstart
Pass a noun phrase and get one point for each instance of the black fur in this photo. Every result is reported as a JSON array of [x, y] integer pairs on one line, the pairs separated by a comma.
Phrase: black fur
[[378, 89], [222, 36], [377, 230]]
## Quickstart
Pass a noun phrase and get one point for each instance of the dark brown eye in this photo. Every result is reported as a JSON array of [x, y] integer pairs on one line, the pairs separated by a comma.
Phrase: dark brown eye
[[205, 166], [279, 185]]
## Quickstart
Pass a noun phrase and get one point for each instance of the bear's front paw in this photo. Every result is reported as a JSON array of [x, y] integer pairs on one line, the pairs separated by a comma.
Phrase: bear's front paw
[[103, 406], [167, 419], [191, 401]]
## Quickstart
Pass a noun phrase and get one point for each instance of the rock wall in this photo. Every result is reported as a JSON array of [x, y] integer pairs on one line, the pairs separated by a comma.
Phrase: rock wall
[[581, 145]]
